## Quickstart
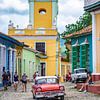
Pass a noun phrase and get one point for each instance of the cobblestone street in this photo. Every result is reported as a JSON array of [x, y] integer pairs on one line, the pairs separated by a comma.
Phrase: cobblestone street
[[71, 94]]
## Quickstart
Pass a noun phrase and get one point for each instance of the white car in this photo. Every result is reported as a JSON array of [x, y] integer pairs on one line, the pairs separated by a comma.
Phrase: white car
[[79, 75]]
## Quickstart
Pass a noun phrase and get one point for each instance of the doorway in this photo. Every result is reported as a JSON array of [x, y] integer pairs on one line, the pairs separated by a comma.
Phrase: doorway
[[43, 68]]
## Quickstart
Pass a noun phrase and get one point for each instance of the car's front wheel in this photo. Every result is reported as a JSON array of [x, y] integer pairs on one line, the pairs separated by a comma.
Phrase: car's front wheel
[[62, 98]]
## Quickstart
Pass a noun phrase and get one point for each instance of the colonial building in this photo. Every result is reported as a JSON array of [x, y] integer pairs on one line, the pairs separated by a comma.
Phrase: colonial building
[[41, 34], [93, 6], [8, 47], [81, 49]]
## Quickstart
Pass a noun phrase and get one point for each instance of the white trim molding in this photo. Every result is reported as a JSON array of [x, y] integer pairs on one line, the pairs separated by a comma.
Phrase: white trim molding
[[97, 12], [94, 42], [35, 37]]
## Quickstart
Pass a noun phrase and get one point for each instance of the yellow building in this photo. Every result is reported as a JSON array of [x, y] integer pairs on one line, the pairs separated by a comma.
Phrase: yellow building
[[41, 34]]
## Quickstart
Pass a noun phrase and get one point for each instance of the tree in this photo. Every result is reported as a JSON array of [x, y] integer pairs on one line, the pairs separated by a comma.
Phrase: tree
[[84, 21]]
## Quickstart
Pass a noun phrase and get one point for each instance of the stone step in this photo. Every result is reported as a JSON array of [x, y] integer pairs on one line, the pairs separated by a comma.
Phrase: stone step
[[94, 88]]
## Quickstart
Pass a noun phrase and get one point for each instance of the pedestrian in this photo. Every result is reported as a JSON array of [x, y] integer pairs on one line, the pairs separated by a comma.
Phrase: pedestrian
[[5, 80], [34, 76], [37, 74], [24, 82], [64, 78], [68, 76], [9, 78], [88, 81], [16, 80]]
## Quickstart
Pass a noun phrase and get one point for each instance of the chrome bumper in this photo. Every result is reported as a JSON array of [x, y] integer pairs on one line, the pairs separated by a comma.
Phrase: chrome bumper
[[44, 95]]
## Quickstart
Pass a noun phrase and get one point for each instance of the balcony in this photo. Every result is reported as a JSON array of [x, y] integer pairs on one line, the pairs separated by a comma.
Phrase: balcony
[[91, 5], [30, 31]]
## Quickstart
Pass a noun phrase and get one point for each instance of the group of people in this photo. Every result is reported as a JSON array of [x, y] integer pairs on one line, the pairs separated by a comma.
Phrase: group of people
[[23, 80], [6, 79]]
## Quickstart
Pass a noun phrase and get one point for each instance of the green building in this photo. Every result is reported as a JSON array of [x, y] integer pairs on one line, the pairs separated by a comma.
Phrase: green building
[[31, 61]]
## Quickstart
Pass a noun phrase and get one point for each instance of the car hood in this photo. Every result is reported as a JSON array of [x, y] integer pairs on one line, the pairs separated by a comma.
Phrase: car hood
[[49, 87]]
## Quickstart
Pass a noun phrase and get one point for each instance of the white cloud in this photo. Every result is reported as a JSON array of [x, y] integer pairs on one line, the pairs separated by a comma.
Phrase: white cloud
[[69, 12], [17, 4], [20, 20]]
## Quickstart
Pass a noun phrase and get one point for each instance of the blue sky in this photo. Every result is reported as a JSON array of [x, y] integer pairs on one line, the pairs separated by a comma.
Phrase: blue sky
[[17, 11]]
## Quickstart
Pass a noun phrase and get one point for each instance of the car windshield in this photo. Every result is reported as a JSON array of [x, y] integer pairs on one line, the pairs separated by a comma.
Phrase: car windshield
[[80, 71], [47, 81]]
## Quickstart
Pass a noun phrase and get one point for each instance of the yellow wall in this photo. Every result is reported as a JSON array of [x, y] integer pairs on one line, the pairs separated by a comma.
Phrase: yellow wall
[[46, 21], [51, 55], [98, 43], [42, 21], [64, 68]]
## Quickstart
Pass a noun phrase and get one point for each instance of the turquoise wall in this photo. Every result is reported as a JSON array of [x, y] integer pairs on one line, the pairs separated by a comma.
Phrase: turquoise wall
[[81, 39]]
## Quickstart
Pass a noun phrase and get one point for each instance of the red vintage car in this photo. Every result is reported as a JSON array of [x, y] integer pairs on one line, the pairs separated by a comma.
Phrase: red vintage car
[[47, 87]]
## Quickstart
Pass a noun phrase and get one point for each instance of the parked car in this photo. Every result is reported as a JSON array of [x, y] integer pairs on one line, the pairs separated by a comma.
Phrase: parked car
[[47, 87], [79, 75]]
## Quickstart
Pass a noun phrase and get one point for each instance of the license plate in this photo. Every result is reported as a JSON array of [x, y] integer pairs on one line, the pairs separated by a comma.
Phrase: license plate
[[50, 94]]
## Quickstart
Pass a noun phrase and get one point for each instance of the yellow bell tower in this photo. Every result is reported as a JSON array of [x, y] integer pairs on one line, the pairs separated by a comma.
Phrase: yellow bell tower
[[41, 34], [43, 13]]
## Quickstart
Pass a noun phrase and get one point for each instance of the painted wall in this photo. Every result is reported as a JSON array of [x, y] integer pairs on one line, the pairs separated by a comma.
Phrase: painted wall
[[46, 21], [37, 64], [65, 67], [97, 16], [28, 62], [81, 39], [8, 46]]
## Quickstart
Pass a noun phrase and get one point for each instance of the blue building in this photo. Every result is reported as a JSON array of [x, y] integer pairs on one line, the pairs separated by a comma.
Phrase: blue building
[[8, 54]]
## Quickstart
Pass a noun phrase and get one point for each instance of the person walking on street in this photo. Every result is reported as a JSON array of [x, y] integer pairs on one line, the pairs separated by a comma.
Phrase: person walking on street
[[37, 74], [16, 81], [5, 80], [24, 82]]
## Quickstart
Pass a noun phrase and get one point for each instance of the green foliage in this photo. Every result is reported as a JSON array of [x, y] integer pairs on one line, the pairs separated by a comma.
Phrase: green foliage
[[84, 21]]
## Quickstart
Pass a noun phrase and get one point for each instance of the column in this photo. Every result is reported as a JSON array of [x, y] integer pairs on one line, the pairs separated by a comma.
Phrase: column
[[15, 61], [10, 62], [94, 42], [57, 55], [0, 64], [2, 59]]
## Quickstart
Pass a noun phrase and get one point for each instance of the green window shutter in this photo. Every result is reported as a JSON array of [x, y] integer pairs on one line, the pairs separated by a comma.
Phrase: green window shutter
[[85, 55], [75, 56]]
